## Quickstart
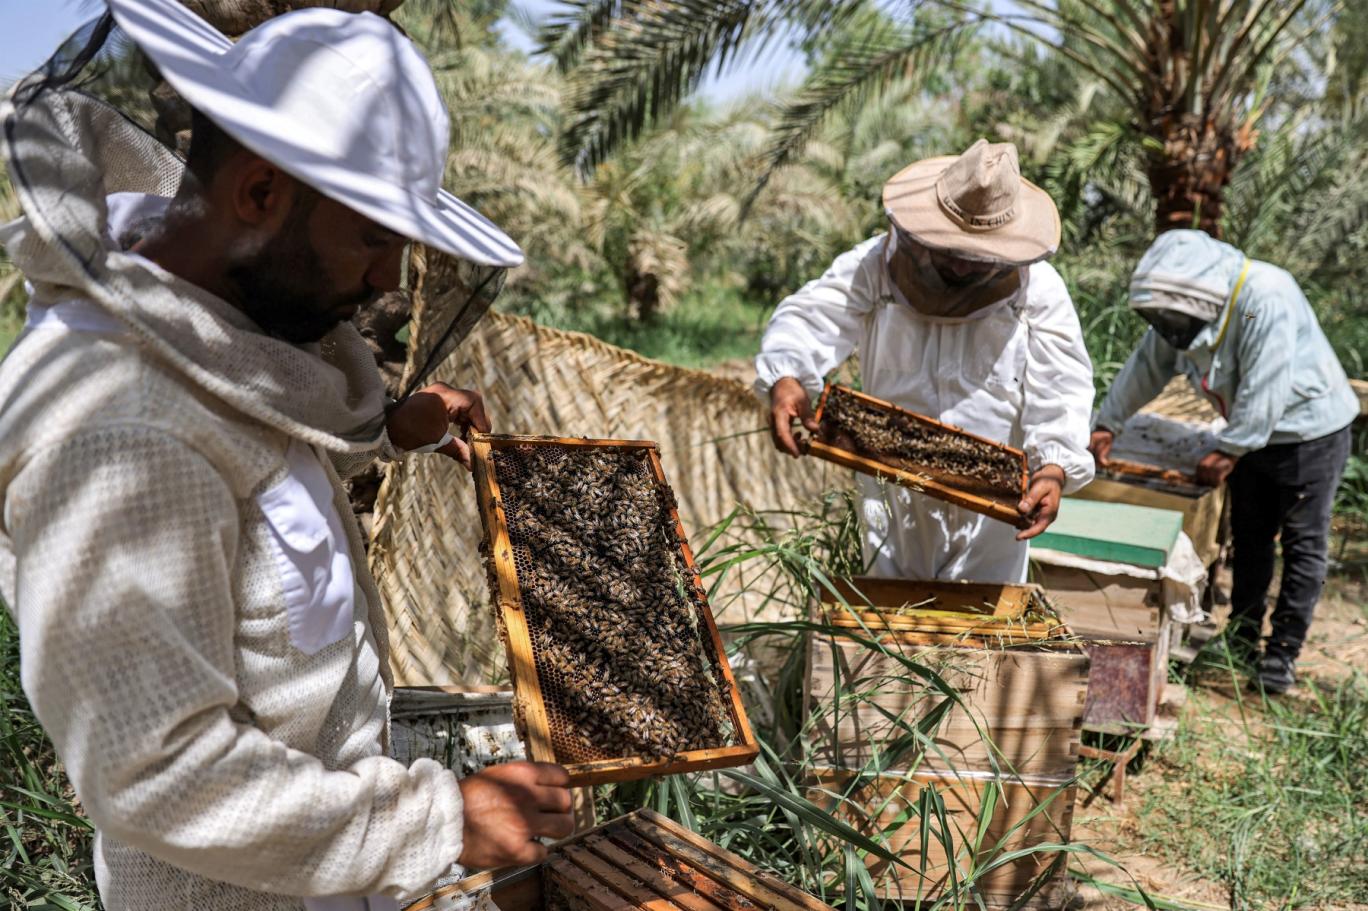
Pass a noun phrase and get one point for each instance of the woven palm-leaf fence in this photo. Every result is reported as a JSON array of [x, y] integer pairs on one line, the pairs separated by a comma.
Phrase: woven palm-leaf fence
[[425, 539]]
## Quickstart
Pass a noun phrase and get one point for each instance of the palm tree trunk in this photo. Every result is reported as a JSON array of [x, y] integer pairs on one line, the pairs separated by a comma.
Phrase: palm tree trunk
[[1193, 154], [1188, 177]]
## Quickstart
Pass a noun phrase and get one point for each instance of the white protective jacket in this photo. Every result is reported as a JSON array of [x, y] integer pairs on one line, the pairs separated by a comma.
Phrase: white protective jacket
[[1016, 371], [199, 634]]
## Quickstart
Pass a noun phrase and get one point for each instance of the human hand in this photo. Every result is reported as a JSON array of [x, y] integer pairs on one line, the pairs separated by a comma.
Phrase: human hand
[[508, 806], [1214, 468], [1041, 503], [1100, 445], [789, 402], [423, 418]]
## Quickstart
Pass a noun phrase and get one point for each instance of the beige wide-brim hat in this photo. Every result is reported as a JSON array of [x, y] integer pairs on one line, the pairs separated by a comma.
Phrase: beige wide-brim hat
[[976, 205]]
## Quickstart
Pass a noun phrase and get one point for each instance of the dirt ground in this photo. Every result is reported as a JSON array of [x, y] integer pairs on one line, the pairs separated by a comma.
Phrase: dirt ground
[[1336, 647]]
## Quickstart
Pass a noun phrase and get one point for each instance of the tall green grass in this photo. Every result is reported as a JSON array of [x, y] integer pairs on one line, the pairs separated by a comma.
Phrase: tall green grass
[[45, 856], [1268, 796]]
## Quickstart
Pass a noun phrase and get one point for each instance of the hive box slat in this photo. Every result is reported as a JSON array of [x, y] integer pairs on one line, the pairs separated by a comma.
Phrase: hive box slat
[[638, 862], [926, 479], [883, 809], [940, 598], [530, 712]]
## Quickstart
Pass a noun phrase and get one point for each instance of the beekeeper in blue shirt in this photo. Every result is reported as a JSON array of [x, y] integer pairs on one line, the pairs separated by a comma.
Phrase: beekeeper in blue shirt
[[1245, 336]]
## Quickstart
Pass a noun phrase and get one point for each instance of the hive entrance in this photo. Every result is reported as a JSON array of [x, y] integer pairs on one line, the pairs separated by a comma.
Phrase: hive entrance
[[621, 640], [909, 442]]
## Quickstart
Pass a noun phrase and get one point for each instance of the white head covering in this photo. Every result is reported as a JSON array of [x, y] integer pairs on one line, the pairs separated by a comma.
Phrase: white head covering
[[1186, 271], [342, 101]]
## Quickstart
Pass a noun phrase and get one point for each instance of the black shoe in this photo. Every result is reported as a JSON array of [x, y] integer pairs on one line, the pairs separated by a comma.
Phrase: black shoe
[[1276, 675]]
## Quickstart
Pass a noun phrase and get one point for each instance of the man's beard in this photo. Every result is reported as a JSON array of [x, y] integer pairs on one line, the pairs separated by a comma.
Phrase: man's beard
[[278, 284]]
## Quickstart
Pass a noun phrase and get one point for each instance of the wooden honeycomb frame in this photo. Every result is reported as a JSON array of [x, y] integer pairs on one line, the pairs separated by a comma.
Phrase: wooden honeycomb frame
[[1165, 480], [530, 701], [638, 862], [930, 481]]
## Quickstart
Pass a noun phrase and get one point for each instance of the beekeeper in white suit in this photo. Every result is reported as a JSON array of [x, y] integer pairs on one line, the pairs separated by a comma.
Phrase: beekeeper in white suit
[[955, 314], [198, 630]]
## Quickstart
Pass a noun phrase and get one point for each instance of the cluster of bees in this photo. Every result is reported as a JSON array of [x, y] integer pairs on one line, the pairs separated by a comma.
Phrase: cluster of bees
[[905, 442], [625, 664], [557, 899]]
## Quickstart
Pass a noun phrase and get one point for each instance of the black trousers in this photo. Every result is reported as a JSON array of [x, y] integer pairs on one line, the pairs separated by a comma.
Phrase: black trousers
[[1285, 492]]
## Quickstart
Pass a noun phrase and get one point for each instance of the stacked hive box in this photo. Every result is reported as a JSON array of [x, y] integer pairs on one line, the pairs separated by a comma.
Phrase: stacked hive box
[[640, 861], [1003, 757], [1102, 564]]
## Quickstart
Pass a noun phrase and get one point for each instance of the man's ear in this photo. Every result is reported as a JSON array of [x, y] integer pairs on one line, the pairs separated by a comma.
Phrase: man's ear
[[262, 193]]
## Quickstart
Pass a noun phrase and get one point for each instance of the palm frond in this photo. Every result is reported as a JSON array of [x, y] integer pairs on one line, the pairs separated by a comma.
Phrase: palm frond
[[884, 54], [652, 55], [1301, 185], [1114, 42], [566, 34], [1341, 212], [1251, 46]]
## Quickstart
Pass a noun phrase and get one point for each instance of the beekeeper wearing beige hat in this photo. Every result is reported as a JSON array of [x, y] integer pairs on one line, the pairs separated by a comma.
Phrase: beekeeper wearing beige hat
[[955, 314], [198, 630]]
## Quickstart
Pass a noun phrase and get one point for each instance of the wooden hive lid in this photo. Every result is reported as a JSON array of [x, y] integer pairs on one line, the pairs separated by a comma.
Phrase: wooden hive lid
[[1114, 532]]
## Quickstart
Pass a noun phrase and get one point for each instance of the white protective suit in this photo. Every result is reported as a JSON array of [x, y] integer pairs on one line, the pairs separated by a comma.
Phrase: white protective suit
[[1016, 371], [199, 633]]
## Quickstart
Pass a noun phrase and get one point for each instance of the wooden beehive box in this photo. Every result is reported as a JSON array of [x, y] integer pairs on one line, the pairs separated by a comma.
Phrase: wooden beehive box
[[1021, 680], [617, 665], [878, 438], [1126, 632], [639, 861], [1020, 814]]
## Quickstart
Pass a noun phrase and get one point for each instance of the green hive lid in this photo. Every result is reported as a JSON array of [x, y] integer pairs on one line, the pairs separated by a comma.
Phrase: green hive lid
[[1116, 532]]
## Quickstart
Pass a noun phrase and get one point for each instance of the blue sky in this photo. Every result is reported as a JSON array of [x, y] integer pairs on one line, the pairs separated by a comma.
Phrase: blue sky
[[34, 28]]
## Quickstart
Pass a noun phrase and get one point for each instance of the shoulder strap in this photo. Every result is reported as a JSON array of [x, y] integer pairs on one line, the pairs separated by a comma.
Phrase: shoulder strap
[[1230, 304]]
